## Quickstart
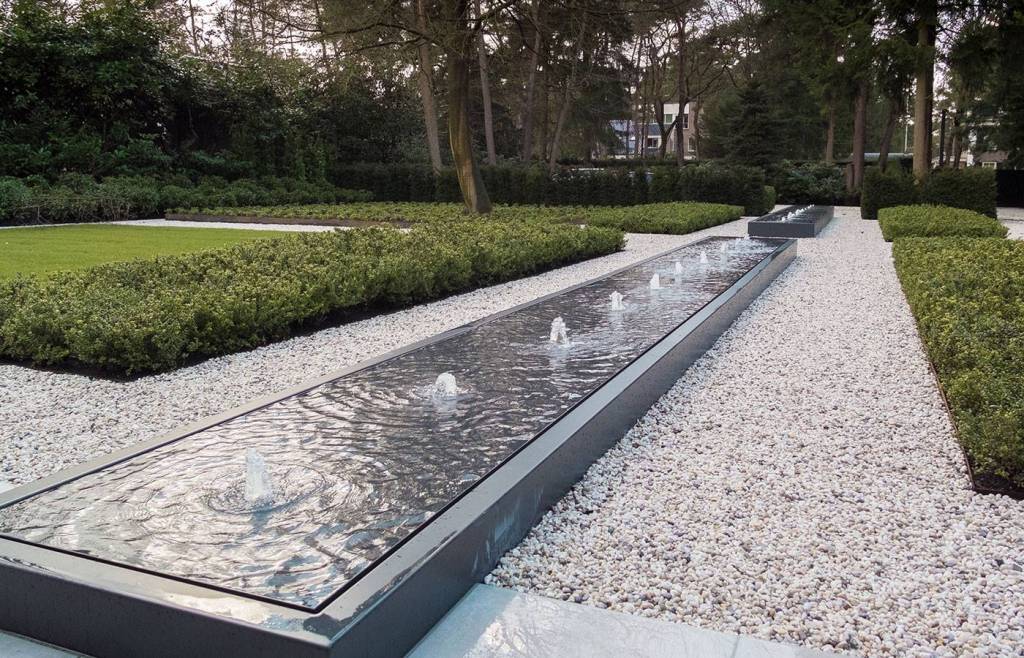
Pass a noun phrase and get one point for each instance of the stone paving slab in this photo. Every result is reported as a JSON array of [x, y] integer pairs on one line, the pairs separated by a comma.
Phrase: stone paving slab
[[491, 622]]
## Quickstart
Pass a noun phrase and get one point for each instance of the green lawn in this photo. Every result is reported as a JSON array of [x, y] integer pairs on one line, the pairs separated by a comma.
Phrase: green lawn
[[43, 249]]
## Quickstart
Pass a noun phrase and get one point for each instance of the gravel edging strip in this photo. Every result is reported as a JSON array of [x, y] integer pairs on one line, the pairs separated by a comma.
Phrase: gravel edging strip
[[285, 221]]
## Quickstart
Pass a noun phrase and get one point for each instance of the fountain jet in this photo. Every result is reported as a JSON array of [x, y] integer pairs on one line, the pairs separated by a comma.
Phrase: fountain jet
[[703, 257], [259, 490], [446, 387], [655, 282], [617, 304], [559, 333]]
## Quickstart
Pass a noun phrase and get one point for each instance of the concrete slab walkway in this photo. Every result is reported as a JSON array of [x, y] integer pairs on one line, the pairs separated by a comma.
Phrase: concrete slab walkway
[[492, 622]]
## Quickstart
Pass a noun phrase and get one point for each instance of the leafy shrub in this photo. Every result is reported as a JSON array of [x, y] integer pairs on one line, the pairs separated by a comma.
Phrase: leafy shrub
[[808, 183], [679, 217], [968, 298], [739, 185], [973, 188], [936, 221], [157, 314], [883, 189]]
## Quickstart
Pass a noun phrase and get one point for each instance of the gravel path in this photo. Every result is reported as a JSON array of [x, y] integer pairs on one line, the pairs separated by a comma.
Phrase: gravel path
[[50, 421], [800, 483], [1016, 228]]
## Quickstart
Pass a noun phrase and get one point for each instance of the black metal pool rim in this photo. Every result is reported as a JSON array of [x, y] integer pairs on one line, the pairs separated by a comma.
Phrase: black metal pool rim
[[363, 610], [73, 474]]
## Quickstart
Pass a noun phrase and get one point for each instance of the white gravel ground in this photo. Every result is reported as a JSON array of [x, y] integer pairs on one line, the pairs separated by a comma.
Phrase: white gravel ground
[[1016, 227], [297, 228], [50, 421], [800, 483]]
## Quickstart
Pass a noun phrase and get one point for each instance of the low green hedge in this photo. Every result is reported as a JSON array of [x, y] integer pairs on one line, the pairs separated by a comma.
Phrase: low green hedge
[[153, 315], [74, 198], [678, 217], [973, 188], [673, 218], [936, 221], [968, 297]]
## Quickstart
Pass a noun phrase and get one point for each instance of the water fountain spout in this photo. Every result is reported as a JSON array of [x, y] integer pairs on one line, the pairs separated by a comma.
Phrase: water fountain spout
[[259, 489], [655, 282], [446, 387], [724, 247], [679, 268], [703, 257], [617, 304], [559, 332]]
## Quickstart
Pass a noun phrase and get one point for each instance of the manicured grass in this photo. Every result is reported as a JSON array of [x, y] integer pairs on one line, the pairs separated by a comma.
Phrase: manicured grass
[[43, 249], [674, 217], [924, 221], [968, 298]]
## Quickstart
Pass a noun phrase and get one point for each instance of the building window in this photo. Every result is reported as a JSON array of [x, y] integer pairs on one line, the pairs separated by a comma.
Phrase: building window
[[988, 165], [691, 145], [668, 118], [652, 142], [686, 121]]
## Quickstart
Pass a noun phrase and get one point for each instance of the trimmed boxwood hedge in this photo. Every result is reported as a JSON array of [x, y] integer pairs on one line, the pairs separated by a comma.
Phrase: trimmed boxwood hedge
[[76, 198], [883, 189], [619, 186], [678, 218], [936, 221], [154, 315], [968, 297], [973, 188]]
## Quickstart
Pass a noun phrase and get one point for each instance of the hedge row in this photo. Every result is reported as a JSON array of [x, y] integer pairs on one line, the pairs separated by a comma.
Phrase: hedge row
[[973, 188], [153, 315], [78, 198], [968, 298], [677, 217], [509, 184], [936, 221]]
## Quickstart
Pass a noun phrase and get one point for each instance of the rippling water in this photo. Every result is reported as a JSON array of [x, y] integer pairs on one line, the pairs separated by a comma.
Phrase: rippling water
[[362, 461]]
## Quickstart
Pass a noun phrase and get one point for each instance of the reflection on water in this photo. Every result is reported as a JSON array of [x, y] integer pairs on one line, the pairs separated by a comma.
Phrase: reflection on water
[[360, 462]]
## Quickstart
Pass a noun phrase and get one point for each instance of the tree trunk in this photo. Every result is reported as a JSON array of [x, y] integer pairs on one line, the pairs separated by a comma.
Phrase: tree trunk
[[696, 130], [426, 87], [474, 194], [681, 92], [485, 92], [860, 116], [531, 84], [830, 134], [545, 115], [924, 92], [563, 116], [890, 128], [957, 148]]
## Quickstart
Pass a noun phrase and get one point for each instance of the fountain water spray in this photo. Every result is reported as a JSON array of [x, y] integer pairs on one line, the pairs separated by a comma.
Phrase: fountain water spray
[[446, 387], [617, 304], [703, 257], [679, 267], [655, 282], [559, 333], [259, 490], [724, 247]]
